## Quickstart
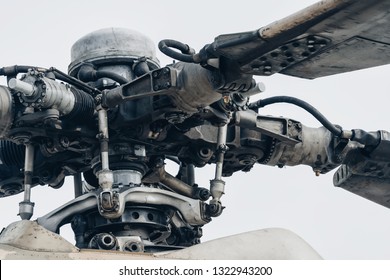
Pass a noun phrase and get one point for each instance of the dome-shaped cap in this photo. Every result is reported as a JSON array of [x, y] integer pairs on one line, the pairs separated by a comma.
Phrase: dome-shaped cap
[[112, 46]]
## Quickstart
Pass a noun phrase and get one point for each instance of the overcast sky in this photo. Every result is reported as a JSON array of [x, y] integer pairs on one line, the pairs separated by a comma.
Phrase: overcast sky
[[338, 224]]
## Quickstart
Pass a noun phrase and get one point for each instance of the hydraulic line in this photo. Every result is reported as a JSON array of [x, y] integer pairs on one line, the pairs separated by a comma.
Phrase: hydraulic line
[[88, 73], [167, 46], [300, 103], [111, 75], [16, 69]]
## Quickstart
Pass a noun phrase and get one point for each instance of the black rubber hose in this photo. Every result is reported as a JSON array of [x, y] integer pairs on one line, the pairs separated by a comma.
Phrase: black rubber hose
[[16, 69], [111, 75], [300, 103], [88, 73], [167, 46], [141, 68]]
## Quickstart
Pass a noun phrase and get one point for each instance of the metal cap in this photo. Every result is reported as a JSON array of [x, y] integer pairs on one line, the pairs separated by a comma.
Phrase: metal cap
[[112, 46]]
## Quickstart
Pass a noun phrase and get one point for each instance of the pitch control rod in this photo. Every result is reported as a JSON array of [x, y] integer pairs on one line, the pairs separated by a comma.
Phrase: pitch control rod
[[217, 185], [26, 207]]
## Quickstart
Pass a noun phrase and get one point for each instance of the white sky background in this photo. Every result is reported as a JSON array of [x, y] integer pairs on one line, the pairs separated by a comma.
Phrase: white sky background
[[338, 224]]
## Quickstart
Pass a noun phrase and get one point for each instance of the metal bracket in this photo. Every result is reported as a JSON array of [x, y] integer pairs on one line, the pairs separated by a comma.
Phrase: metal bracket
[[192, 210], [286, 130], [109, 204], [157, 82]]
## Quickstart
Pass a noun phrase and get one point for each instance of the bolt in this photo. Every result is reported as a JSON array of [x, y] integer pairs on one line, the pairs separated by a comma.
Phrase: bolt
[[203, 194], [226, 99]]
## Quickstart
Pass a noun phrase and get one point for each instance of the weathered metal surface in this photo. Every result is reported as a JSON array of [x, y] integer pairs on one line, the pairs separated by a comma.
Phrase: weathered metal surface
[[368, 175], [360, 38], [121, 45], [303, 19], [28, 235], [327, 38], [28, 240], [131, 117]]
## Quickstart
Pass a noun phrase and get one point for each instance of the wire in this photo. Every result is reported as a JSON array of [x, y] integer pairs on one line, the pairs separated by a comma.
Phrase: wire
[[300, 103]]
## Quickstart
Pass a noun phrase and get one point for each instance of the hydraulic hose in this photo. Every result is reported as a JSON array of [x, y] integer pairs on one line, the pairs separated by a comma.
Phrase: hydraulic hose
[[16, 69], [88, 73], [300, 103], [167, 46], [111, 75]]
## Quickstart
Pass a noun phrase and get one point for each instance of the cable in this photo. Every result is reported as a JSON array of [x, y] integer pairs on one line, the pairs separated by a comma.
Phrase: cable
[[300, 103]]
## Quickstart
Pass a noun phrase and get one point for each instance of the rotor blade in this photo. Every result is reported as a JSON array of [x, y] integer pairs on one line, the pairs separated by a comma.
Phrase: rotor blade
[[329, 37]]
